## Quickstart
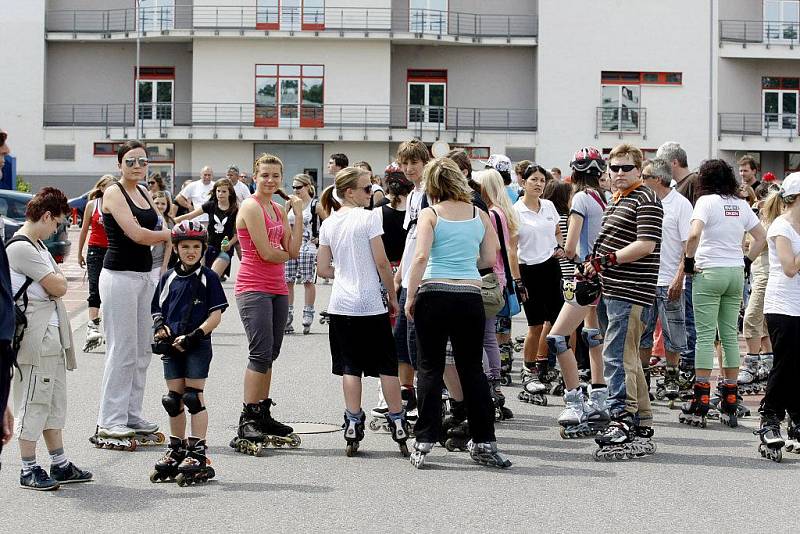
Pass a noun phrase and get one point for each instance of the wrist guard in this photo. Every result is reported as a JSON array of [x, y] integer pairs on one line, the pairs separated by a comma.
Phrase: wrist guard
[[688, 265], [192, 340], [601, 263]]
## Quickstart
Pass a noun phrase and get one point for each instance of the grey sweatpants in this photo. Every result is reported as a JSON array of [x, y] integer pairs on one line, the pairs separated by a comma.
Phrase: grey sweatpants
[[126, 298]]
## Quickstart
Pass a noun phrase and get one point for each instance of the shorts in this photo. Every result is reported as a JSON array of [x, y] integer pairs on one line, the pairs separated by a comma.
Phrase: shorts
[[673, 322], [194, 364], [545, 299], [303, 269], [40, 398], [362, 345], [264, 319], [405, 334]]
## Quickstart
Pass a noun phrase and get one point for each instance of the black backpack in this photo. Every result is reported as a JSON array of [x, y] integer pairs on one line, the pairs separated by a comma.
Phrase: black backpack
[[20, 321]]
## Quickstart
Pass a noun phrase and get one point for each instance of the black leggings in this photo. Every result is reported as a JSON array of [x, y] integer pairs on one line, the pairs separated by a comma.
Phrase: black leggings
[[445, 311], [781, 393], [6, 372], [94, 264]]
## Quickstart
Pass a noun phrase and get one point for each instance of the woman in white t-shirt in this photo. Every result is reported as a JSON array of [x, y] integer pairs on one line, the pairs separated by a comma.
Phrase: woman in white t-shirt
[[362, 299], [715, 259], [782, 311], [540, 245]]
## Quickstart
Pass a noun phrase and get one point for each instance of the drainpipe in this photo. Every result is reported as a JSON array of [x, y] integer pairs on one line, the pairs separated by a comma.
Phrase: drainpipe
[[712, 68]]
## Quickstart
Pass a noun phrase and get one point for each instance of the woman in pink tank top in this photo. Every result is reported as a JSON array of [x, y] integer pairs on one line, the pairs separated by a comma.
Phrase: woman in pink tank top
[[262, 297]]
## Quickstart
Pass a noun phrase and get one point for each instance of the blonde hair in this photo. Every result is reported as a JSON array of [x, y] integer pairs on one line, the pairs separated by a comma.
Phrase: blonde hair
[[346, 178], [267, 159], [104, 181], [495, 193], [773, 207], [627, 149], [413, 150], [444, 181], [307, 181]]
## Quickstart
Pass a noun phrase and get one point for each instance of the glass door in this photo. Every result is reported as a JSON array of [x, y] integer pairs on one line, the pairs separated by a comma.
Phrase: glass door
[[426, 104], [155, 102], [780, 112], [781, 19], [156, 15], [620, 111], [428, 16], [291, 14], [289, 102]]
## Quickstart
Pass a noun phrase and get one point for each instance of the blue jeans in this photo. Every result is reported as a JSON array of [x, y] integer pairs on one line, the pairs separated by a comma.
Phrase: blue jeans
[[627, 388], [687, 357], [405, 334], [672, 322]]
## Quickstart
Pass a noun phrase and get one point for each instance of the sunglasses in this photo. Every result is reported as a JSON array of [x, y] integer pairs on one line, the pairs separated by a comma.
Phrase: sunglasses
[[623, 168], [130, 162], [151, 183], [298, 187]]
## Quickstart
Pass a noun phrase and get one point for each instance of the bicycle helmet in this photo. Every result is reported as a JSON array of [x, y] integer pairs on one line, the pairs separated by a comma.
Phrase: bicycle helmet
[[588, 159], [189, 230]]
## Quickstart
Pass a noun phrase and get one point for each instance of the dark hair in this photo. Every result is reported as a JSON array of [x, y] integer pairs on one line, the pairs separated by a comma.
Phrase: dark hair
[[749, 160], [233, 202], [558, 193], [716, 177], [340, 160], [126, 147], [459, 156], [530, 169], [585, 180], [158, 180], [47, 199], [765, 188], [396, 187]]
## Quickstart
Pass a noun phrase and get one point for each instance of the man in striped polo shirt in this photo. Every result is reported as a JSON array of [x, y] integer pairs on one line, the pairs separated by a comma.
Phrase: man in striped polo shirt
[[627, 259]]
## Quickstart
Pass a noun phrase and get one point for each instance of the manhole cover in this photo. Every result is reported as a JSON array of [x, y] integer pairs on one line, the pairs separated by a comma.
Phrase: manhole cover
[[305, 427]]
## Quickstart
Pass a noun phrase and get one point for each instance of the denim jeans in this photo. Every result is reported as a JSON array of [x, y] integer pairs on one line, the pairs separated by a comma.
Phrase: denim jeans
[[627, 388], [673, 323], [405, 334], [687, 357]]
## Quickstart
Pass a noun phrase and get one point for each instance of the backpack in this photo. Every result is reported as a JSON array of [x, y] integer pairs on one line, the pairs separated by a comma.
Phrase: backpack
[[314, 219], [20, 321]]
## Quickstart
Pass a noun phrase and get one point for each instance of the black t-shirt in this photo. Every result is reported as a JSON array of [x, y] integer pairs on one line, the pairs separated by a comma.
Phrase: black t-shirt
[[221, 224]]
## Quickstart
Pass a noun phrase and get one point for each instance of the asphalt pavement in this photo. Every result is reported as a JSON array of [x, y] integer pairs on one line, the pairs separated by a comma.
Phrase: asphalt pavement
[[710, 478]]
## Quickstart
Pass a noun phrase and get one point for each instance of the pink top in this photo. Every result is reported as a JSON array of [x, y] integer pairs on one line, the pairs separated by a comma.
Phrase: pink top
[[499, 268], [255, 274]]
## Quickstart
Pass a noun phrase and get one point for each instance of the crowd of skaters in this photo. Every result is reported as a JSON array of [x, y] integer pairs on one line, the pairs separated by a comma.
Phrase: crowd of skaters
[[604, 262]]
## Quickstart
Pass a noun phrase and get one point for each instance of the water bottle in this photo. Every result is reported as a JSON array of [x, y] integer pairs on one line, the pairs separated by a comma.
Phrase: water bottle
[[225, 243]]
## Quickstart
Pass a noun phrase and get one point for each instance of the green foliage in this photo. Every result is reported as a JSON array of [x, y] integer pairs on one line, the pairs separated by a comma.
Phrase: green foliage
[[22, 185]]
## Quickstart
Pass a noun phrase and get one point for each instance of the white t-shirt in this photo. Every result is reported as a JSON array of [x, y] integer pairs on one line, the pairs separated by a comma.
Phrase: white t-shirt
[[198, 194], [25, 261], [726, 220], [356, 287], [413, 208], [537, 232], [306, 221], [674, 232], [783, 293], [242, 191]]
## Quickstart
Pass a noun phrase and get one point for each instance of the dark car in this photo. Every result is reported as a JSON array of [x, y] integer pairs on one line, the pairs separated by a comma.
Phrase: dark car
[[12, 209], [79, 203]]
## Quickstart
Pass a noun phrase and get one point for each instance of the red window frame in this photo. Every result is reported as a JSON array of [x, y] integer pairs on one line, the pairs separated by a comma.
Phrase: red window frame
[[640, 78], [310, 116], [277, 25], [786, 83], [470, 150], [114, 145]]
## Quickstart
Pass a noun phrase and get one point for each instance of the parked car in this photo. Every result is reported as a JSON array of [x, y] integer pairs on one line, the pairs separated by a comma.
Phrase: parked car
[[12, 209], [79, 203]]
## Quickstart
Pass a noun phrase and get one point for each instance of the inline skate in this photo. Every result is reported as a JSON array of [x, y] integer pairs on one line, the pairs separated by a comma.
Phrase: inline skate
[[764, 367], [324, 318], [501, 413], [694, 412], [536, 384], [486, 454], [686, 381], [94, 337], [420, 452], [195, 467], [450, 437], [581, 419], [115, 438], [668, 387], [519, 343], [657, 365], [276, 433], [249, 437], [167, 467], [623, 440], [793, 437], [716, 401], [772, 442], [748, 379], [409, 397], [289, 329], [147, 434], [506, 363], [378, 413], [353, 431], [728, 412], [308, 319], [398, 426]]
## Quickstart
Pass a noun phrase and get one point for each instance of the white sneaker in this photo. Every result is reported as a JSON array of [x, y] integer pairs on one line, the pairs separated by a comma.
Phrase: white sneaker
[[116, 431]]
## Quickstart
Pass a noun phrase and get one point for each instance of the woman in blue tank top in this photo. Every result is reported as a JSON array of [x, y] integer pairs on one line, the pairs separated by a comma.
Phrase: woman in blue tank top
[[444, 300]]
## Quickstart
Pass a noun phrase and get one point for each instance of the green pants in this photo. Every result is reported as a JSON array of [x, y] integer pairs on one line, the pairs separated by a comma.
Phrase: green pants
[[716, 296]]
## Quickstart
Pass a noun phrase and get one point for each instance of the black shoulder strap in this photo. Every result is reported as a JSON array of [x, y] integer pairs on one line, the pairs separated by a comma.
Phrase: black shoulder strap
[[23, 290], [314, 218], [503, 251]]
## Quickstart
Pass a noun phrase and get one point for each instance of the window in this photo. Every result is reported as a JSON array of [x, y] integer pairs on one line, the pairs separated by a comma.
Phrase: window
[[475, 152], [290, 95], [155, 95], [791, 162], [428, 16], [427, 97], [641, 78], [621, 108], [779, 103], [290, 15], [59, 152], [781, 18], [162, 162], [157, 15], [106, 148], [771, 82]]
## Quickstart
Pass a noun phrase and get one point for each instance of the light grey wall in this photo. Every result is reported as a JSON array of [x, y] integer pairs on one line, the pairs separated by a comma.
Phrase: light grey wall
[[745, 75], [89, 4], [495, 7], [741, 10]]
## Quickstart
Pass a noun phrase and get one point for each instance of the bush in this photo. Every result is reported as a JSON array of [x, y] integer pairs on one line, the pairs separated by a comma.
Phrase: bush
[[22, 185]]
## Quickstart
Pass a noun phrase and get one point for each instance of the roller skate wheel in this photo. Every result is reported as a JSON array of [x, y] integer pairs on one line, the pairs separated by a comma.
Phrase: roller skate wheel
[[542, 401], [211, 473], [597, 455], [155, 476], [277, 442], [449, 446], [160, 438], [776, 455], [375, 425], [295, 440], [563, 432], [181, 480], [505, 380], [404, 450], [351, 449]]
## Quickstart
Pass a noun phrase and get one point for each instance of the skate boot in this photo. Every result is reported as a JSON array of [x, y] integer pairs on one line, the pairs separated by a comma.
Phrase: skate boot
[[486, 454], [458, 437], [670, 384], [535, 387], [556, 381], [618, 442], [457, 416], [764, 367], [728, 411], [398, 426], [117, 438], [643, 441], [167, 467], [353, 430], [250, 438], [94, 338], [324, 318], [409, 397], [793, 437], [573, 419], [289, 329], [519, 343], [685, 384], [308, 318], [196, 467], [597, 415], [694, 412], [276, 433], [378, 413], [748, 379], [501, 413], [772, 443], [421, 450], [506, 363]]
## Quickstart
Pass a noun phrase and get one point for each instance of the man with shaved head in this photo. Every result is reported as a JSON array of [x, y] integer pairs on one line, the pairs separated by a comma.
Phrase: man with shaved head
[[197, 193]]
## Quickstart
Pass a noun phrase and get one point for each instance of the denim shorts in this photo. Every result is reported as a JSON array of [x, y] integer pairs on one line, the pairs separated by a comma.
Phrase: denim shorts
[[673, 322], [194, 364]]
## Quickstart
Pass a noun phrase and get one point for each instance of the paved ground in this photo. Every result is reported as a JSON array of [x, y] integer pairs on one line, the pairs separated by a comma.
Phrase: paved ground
[[710, 476]]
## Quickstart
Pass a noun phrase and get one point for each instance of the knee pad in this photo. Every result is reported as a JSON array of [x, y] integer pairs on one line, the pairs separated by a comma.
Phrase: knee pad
[[191, 399], [557, 345], [592, 337], [172, 403]]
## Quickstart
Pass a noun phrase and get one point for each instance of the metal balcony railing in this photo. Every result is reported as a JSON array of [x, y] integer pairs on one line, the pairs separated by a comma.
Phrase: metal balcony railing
[[621, 120], [320, 19], [766, 125], [759, 32], [165, 116]]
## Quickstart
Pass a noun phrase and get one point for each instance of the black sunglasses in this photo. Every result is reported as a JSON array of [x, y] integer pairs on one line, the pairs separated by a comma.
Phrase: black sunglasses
[[623, 168], [151, 182], [298, 187], [130, 162]]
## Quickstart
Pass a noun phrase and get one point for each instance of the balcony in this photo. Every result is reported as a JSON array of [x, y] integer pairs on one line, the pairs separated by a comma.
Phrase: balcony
[[750, 131], [620, 121], [330, 21], [758, 38], [348, 122]]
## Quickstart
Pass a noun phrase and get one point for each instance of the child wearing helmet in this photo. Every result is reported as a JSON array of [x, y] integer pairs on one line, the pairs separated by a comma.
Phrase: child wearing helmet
[[186, 308]]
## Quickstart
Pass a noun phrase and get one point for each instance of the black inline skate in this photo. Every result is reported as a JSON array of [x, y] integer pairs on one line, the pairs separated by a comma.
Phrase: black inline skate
[[196, 467], [486, 454], [501, 413], [685, 385], [399, 428], [716, 405], [772, 442], [793, 437], [324, 318], [249, 438], [668, 387], [519, 343], [694, 412], [623, 440], [457, 417], [536, 384], [458, 437], [167, 467], [276, 433], [506, 363], [353, 431]]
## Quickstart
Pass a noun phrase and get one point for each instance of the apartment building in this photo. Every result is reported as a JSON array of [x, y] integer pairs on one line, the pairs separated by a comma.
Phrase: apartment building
[[221, 81]]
